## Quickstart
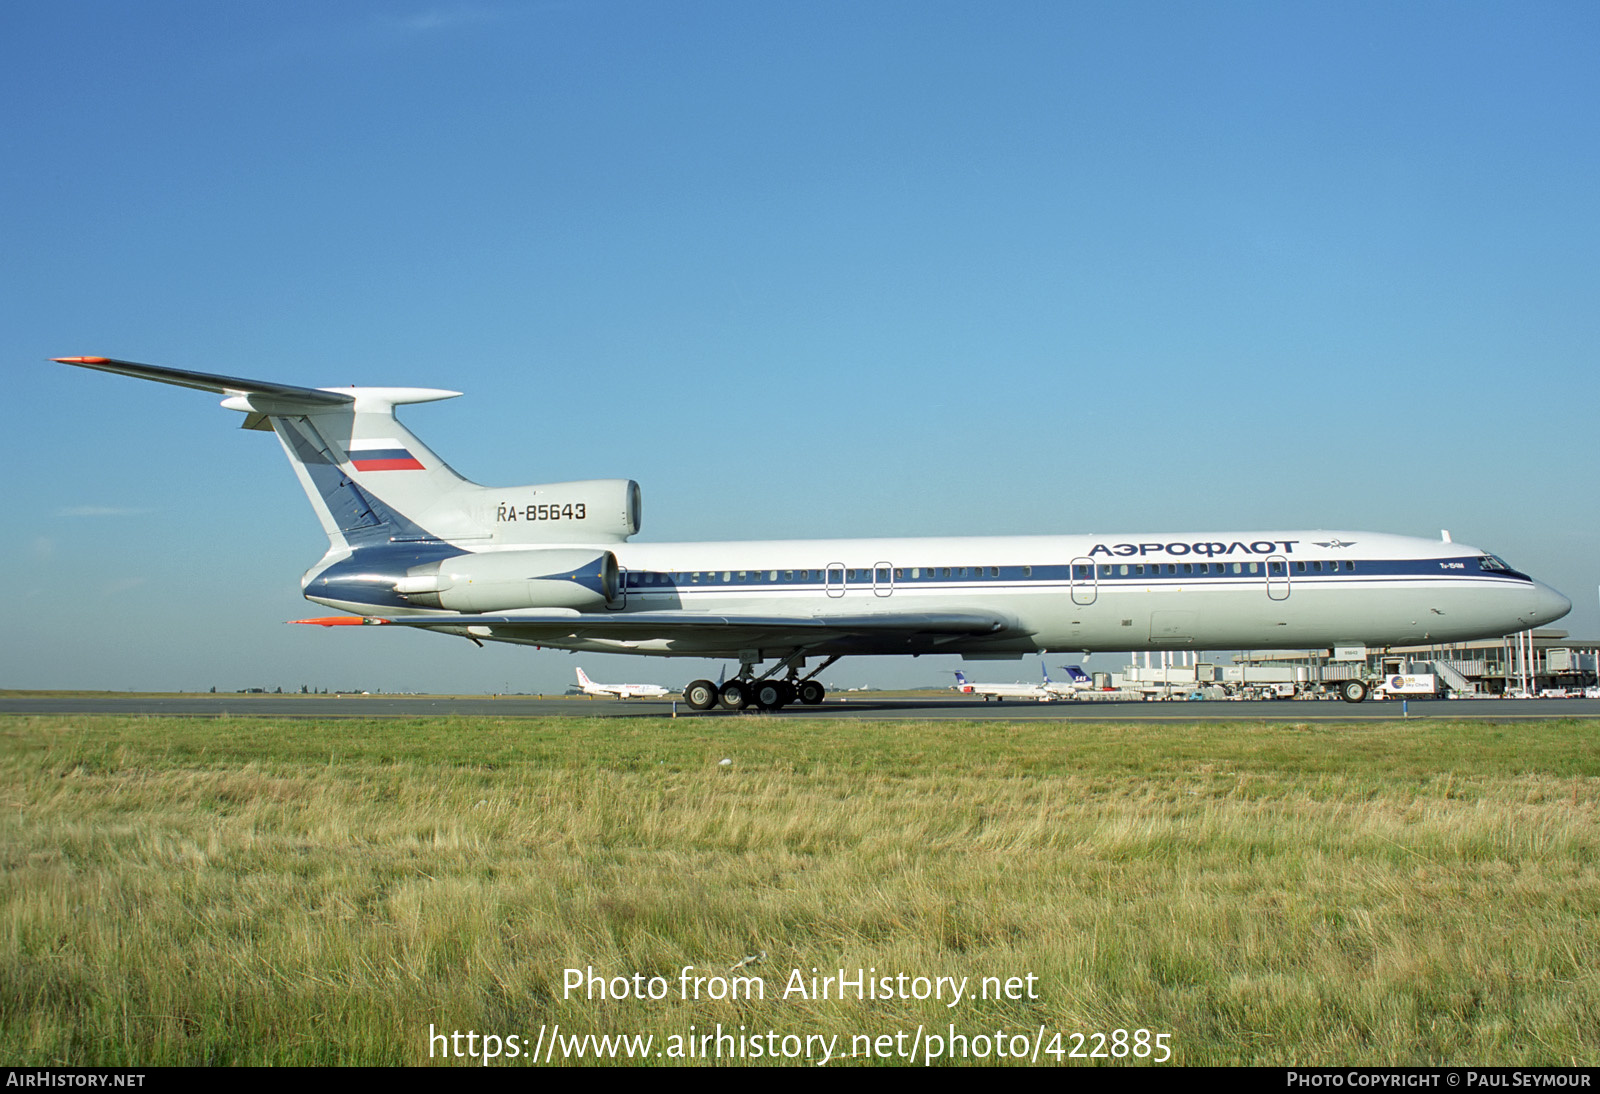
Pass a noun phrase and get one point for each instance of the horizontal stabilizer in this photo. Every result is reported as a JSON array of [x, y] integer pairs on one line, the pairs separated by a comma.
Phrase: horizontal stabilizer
[[207, 381]]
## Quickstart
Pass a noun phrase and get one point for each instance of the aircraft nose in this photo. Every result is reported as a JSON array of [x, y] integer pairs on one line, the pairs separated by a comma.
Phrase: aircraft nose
[[1548, 605]]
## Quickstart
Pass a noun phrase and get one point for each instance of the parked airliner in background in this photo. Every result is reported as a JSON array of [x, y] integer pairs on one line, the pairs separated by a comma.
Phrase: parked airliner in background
[[1077, 680], [411, 543], [1001, 692], [622, 691]]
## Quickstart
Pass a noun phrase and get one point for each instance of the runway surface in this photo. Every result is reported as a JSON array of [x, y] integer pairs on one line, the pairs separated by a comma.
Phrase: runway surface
[[939, 708]]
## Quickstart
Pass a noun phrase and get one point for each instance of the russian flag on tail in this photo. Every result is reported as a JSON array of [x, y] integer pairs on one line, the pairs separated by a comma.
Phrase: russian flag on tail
[[383, 455]]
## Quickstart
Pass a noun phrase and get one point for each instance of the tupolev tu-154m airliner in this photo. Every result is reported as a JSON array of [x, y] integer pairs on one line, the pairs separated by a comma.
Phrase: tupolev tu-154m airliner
[[414, 544]]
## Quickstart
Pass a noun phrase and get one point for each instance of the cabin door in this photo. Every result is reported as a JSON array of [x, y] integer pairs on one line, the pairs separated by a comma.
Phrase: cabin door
[[1278, 577], [833, 582], [882, 579], [1085, 585]]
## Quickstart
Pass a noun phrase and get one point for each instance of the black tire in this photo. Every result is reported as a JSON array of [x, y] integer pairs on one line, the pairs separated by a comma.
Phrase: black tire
[[700, 695], [735, 695], [770, 695], [1352, 691], [812, 693]]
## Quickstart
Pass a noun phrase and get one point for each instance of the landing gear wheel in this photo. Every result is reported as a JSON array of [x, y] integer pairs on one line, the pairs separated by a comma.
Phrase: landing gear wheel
[[1352, 691], [735, 696], [700, 695], [812, 693], [772, 695]]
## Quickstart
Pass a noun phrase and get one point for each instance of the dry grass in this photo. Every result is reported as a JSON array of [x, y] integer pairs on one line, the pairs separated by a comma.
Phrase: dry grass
[[184, 891]]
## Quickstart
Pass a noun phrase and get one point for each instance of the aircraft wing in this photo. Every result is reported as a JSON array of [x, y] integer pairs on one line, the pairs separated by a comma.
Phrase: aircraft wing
[[888, 631]]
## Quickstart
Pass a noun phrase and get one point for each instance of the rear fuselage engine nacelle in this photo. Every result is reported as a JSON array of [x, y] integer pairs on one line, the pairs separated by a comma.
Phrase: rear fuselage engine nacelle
[[537, 577]]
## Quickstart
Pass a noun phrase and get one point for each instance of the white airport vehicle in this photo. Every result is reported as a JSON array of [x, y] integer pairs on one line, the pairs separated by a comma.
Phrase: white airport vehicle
[[1425, 683], [1001, 692], [622, 691], [413, 544]]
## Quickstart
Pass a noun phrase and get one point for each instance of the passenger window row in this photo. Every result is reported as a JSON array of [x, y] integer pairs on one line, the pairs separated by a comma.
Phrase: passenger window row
[[881, 575]]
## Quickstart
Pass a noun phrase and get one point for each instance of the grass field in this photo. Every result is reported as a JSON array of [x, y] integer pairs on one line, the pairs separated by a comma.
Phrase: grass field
[[245, 891]]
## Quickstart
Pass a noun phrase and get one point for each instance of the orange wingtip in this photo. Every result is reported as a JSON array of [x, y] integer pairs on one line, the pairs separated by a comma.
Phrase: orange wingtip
[[342, 621], [82, 360]]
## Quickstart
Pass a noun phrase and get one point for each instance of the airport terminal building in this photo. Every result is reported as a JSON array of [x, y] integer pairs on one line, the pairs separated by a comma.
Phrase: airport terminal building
[[1531, 663]]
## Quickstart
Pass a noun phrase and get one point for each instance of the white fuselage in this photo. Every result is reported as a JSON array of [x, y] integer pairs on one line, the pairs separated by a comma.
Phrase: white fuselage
[[625, 691], [1095, 592], [1017, 690]]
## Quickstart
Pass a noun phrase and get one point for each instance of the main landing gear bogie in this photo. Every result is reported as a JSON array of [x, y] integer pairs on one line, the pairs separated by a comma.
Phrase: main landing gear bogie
[[740, 694]]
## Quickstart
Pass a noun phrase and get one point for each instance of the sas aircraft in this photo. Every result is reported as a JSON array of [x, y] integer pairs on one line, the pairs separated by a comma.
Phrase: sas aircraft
[[1001, 692], [1077, 681], [413, 544], [621, 691]]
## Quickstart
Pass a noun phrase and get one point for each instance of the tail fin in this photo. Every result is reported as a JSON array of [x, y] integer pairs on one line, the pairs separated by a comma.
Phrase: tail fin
[[367, 476], [959, 678], [583, 679]]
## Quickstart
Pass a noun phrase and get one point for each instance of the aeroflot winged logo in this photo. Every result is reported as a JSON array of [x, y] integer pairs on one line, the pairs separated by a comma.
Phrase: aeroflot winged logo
[[1336, 543], [383, 455]]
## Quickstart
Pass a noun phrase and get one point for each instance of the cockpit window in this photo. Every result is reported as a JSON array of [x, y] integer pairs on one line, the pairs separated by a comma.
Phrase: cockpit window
[[1493, 565]]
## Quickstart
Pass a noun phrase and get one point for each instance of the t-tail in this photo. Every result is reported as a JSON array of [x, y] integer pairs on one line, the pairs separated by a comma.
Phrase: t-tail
[[392, 509]]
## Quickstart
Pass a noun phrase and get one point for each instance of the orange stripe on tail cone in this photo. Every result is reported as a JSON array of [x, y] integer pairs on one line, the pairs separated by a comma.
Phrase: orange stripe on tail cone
[[342, 621]]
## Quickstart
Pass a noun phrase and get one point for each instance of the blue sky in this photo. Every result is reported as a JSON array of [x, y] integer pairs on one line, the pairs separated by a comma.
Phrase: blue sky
[[810, 269]]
